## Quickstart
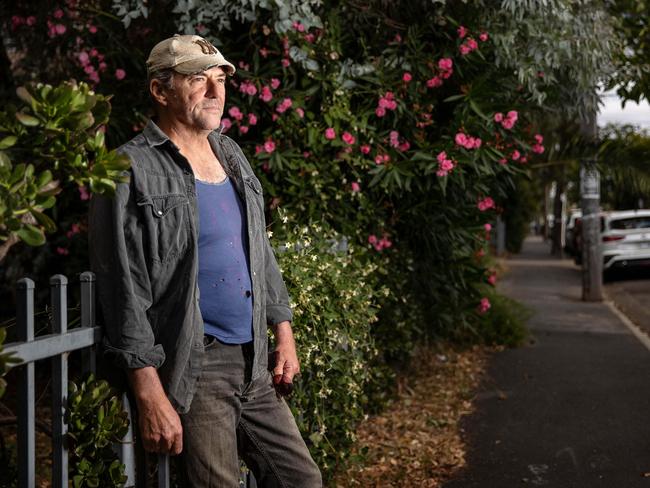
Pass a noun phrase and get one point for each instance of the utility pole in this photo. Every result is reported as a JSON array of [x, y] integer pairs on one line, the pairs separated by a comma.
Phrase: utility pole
[[592, 261]]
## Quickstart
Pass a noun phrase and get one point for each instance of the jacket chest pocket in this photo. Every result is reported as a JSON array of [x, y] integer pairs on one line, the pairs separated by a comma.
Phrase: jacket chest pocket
[[166, 218]]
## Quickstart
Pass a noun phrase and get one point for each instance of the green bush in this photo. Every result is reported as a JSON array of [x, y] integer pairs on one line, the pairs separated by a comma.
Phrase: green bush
[[335, 300], [504, 324], [96, 419]]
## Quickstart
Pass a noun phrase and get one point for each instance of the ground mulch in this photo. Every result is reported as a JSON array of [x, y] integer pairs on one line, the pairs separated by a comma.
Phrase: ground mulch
[[417, 440]]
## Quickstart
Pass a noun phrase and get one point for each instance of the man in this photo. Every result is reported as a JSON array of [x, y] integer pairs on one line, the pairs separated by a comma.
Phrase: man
[[188, 283]]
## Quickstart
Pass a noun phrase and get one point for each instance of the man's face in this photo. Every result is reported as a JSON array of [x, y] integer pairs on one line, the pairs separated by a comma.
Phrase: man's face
[[198, 100]]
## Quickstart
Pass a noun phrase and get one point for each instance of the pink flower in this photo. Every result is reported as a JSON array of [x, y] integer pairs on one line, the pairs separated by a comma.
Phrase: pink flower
[[274, 117], [83, 58], [83, 193], [103, 66], [503, 161], [94, 77], [445, 64], [275, 83], [16, 21], [472, 44], [285, 63], [483, 306], [515, 155], [383, 243], [446, 165], [92, 29], [284, 105], [483, 36], [382, 158], [300, 112], [464, 49], [406, 77], [310, 38], [434, 82], [372, 239], [265, 167], [355, 186], [462, 32], [394, 138], [330, 133], [461, 139], [58, 14], [441, 173], [442, 155], [60, 29], [258, 149], [498, 117], [306, 154], [299, 27], [538, 149], [31, 20], [266, 95], [235, 113], [120, 74], [269, 146], [264, 52], [487, 227], [365, 149], [94, 52], [380, 112], [243, 129], [485, 204], [404, 146], [226, 124], [508, 123], [492, 279], [248, 88], [252, 119], [513, 115], [348, 138], [62, 251], [539, 138]]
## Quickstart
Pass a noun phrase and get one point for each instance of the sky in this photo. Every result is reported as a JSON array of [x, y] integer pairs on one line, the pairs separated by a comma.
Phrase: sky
[[611, 111]]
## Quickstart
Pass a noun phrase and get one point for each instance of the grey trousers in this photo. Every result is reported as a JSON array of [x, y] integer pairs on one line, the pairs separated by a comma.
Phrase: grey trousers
[[232, 417]]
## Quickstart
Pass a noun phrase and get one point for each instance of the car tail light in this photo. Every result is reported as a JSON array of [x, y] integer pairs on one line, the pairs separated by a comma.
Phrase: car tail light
[[612, 238]]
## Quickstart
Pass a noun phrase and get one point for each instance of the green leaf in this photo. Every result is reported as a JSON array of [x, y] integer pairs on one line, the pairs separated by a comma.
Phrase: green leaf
[[28, 120], [24, 95], [31, 235], [8, 142], [453, 98]]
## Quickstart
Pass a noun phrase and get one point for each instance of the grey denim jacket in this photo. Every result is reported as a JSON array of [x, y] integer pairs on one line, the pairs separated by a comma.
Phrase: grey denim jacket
[[144, 252]]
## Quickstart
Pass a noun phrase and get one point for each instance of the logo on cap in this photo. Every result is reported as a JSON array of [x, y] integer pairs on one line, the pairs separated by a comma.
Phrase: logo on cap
[[206, 47]]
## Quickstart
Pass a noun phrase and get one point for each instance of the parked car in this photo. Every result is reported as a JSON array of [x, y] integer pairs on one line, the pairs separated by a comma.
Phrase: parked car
[[570, 236], [626, 239]]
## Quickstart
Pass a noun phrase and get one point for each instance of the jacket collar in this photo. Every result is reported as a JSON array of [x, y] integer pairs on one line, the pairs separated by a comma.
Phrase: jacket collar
[[156, 137]]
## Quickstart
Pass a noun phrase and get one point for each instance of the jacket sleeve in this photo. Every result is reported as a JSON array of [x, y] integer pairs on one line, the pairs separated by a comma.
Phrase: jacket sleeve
[[277, 297], [117, 258]]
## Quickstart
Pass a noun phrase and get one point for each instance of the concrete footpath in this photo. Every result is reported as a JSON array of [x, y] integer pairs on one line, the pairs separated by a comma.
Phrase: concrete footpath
[[572, 407]]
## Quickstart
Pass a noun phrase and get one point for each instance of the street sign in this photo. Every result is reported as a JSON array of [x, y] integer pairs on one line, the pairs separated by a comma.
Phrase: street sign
[[589, 182]]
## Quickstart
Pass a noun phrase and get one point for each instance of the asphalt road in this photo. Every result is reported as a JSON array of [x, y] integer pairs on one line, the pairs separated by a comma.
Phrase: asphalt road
[[571, 409], [630, 291]]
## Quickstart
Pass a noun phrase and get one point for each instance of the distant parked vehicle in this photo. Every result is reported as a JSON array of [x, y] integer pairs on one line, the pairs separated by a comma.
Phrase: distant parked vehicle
[[626, 239], [570, 245]]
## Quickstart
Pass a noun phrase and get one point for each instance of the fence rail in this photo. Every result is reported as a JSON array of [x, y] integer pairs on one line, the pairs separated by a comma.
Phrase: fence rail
[[57, 346]]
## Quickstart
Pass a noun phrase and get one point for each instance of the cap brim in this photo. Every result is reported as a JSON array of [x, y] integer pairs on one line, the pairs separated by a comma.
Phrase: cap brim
[[203, 63]]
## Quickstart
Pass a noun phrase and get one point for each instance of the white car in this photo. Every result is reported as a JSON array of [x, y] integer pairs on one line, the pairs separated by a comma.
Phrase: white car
[[626, 239]]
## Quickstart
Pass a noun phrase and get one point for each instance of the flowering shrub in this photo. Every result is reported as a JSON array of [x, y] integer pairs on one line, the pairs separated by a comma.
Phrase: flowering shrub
[[335, 300]]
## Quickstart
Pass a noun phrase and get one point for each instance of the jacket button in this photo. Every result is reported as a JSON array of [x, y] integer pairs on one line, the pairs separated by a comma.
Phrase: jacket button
[[160, 212], [248, 293]]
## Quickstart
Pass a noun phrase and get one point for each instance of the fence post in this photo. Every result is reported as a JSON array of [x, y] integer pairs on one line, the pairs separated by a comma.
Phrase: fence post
[[26, 400], [59, 303], [125, 449], [88, 355]]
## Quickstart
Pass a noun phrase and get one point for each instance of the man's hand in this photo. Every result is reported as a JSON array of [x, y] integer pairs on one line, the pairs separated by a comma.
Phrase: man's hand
[[286, 359], [160, 426]]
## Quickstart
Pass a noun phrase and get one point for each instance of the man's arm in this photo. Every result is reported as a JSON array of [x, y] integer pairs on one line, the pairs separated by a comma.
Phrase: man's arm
[[118, 259], [160, 425], [286, 357]]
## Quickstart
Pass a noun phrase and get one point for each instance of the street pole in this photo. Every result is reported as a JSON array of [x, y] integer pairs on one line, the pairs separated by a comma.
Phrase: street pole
[[592, 261]]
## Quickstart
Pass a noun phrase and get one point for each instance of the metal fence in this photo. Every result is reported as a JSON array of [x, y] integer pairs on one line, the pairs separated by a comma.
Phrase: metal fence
[[57, 346]]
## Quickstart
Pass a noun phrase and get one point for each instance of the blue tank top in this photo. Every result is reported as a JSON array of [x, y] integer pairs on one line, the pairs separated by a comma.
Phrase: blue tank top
[[226, 301]]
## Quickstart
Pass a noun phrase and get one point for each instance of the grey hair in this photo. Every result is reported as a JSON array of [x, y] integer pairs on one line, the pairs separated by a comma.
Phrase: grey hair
[[166, 79]]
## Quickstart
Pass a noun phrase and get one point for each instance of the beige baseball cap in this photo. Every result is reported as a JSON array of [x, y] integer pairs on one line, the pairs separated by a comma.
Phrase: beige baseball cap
[[187, 54]]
